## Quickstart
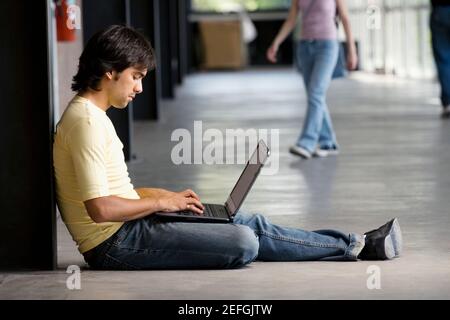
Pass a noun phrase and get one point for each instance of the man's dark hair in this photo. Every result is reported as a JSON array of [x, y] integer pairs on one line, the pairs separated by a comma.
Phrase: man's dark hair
[[114, 48]]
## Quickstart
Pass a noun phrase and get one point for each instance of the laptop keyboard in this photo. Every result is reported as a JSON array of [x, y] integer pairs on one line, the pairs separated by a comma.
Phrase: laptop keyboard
[[215, 210], [211, 210]]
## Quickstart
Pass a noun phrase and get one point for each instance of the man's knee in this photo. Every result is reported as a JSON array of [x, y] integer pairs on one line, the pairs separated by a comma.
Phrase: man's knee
[[246, 246]]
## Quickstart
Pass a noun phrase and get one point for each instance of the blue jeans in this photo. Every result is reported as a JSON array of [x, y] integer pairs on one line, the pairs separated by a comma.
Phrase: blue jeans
[[317, 60], [440, 29], [149, 243]]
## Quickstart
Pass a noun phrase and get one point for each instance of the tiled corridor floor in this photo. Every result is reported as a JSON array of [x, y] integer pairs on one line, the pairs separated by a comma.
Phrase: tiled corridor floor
[[394, 162]]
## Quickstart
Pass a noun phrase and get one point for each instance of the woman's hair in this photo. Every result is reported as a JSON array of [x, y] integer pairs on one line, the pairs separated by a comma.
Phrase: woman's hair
[[114, 48]]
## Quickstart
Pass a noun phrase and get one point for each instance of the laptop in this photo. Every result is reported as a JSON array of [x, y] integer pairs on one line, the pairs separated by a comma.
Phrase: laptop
[[216, 213]]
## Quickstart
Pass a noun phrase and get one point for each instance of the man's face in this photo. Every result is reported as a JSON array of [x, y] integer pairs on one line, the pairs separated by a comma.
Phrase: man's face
[[124, 86]]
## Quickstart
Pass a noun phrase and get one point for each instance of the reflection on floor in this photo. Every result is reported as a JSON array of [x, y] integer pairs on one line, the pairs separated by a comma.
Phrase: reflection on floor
[[394, 162]]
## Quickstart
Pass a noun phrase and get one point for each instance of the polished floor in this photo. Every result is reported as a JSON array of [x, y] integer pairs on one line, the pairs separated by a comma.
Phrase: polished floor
[[394, 162]]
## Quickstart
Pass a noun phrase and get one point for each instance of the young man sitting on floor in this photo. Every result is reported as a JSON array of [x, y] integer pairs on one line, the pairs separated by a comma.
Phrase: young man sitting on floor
[[113, 223]]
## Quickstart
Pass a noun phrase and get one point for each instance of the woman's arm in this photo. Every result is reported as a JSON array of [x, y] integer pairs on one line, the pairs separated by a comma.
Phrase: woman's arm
[[285, 30], [352, 58]]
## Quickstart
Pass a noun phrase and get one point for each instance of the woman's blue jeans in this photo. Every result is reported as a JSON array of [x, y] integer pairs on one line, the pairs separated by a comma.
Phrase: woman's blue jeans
[[317, 60], [149, 243], [440, 30]]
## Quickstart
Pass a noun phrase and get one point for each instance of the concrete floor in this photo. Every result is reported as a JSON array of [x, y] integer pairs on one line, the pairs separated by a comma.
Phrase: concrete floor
[[394, 162]]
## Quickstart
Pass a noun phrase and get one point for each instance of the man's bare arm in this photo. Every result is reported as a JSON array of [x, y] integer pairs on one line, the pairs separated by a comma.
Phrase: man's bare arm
[[116, 209], [152, 192]]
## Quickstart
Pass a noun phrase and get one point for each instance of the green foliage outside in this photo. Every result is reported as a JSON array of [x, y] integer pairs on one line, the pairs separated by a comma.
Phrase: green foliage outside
[[233, 5]]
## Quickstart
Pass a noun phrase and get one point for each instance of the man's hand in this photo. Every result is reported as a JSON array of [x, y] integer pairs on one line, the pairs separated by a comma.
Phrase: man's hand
[[179, 201]]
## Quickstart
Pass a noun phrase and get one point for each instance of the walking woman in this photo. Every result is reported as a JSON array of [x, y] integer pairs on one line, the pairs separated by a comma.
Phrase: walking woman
[[317, 53], [440, 34]]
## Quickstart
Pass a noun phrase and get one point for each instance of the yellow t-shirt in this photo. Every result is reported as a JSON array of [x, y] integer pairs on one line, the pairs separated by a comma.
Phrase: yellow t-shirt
[[89, 163]]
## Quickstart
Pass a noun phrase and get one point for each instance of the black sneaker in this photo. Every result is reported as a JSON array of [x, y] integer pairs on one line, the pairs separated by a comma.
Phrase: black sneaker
[[384, 243]]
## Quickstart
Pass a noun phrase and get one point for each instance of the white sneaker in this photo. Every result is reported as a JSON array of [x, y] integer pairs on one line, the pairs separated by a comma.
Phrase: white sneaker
[[322, 153], [299, 151]]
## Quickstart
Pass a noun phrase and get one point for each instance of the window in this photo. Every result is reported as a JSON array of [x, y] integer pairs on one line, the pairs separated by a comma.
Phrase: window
[[235, 5]]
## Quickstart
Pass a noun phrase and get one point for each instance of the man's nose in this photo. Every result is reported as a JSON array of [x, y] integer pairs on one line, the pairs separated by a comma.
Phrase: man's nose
[[138, 87]]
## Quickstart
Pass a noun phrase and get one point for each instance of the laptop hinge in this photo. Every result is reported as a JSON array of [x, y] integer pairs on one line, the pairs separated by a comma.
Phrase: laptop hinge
[[228, 209]]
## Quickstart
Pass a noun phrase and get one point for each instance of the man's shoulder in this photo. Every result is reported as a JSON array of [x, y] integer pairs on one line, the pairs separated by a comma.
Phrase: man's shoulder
[[79, 113]]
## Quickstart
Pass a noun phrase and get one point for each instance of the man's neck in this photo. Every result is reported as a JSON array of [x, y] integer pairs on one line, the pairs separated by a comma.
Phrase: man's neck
[[98, 98]]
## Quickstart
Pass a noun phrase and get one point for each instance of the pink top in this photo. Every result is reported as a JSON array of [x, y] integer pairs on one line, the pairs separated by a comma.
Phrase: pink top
[[319, 22]]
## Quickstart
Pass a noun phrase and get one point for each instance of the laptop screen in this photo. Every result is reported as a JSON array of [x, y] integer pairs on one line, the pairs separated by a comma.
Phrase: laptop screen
[[247, 178]]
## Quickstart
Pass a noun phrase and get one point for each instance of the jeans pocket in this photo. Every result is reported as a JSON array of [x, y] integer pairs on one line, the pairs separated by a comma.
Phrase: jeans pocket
[[112, 263], [122, 233]]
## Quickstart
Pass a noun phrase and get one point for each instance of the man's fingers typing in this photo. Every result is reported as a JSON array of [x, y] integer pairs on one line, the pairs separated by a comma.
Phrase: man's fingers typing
[[193, 194], [196, 203], [189, 193], [194, 208]]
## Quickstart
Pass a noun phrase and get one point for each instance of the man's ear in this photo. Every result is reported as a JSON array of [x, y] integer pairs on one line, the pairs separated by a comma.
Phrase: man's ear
[[109, 75]]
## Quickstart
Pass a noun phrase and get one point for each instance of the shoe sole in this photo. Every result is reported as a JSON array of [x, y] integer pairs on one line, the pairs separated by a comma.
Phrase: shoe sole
[[393, 242], [389, 250], [397, 238], [303, 155], [318, 154]]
